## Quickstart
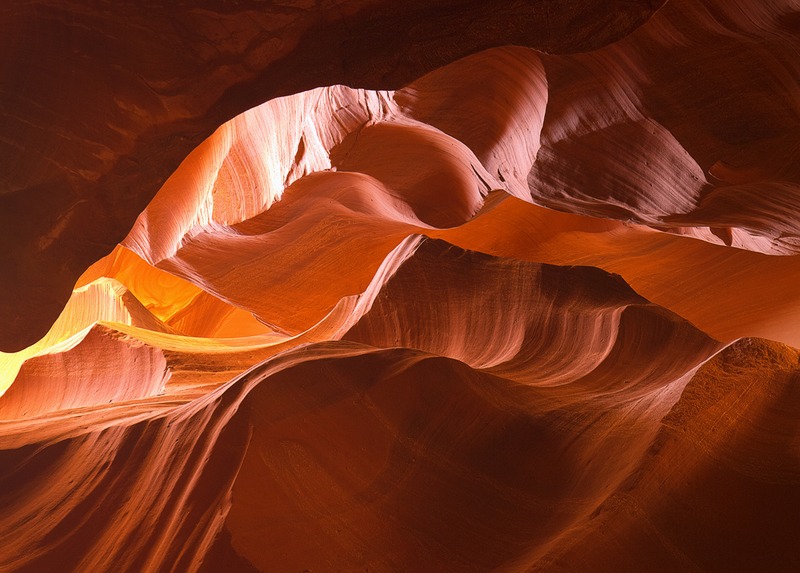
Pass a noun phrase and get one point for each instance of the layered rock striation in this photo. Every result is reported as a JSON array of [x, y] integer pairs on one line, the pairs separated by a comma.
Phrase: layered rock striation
[[441, 302]]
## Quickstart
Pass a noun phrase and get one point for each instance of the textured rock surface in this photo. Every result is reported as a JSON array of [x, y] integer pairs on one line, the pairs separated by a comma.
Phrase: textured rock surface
[[101, 101], [487, 309]]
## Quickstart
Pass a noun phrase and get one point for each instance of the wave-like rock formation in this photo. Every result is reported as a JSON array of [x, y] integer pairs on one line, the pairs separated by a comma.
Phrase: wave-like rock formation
[[368, 286], [102, 102], [93, 367]]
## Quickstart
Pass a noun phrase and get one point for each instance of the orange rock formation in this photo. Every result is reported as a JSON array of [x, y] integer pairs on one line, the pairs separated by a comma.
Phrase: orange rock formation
[[464, 287]]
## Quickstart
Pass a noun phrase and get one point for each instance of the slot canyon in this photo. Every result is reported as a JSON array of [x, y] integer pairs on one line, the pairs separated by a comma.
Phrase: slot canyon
[[316, 286]]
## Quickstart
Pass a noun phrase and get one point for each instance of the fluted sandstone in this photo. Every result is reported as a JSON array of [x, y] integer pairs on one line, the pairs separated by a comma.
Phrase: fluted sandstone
[[484, 308]]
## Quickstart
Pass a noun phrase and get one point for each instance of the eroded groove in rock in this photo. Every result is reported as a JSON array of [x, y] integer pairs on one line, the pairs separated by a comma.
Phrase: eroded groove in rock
[[519, 311]]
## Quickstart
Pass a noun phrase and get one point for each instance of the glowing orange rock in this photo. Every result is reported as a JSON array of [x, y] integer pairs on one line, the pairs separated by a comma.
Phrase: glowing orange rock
[[351, 332]]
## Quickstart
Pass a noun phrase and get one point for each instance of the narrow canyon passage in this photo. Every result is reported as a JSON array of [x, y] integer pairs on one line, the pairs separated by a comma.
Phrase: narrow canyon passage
[[344, 286]]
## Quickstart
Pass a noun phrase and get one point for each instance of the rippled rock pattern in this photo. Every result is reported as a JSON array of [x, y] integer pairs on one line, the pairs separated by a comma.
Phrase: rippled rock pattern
[[369, 286]]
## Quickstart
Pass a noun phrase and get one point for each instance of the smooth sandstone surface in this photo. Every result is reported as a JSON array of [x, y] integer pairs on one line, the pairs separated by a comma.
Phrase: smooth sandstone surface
[[434, 300], [102, 100]]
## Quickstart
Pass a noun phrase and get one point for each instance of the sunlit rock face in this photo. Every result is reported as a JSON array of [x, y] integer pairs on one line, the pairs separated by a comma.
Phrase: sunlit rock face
[[102, 100], [477, 286]]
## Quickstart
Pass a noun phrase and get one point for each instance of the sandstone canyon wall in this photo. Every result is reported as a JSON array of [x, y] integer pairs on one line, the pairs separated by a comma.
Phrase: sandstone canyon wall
[[370, 286]]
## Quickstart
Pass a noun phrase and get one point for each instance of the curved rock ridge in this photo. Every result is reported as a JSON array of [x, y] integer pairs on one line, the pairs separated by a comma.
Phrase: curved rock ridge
[[103, 300], [619, 131], [439, 436], [728, 293], [93, 367], [116, 324], [731, 436], [758, 216], [107, 100], [540, 305], [234, 438], [699, 104], [362, 216], [410, 172], [501, 121], [526, 321], [178, 304], [245, 165], [344, 455]]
